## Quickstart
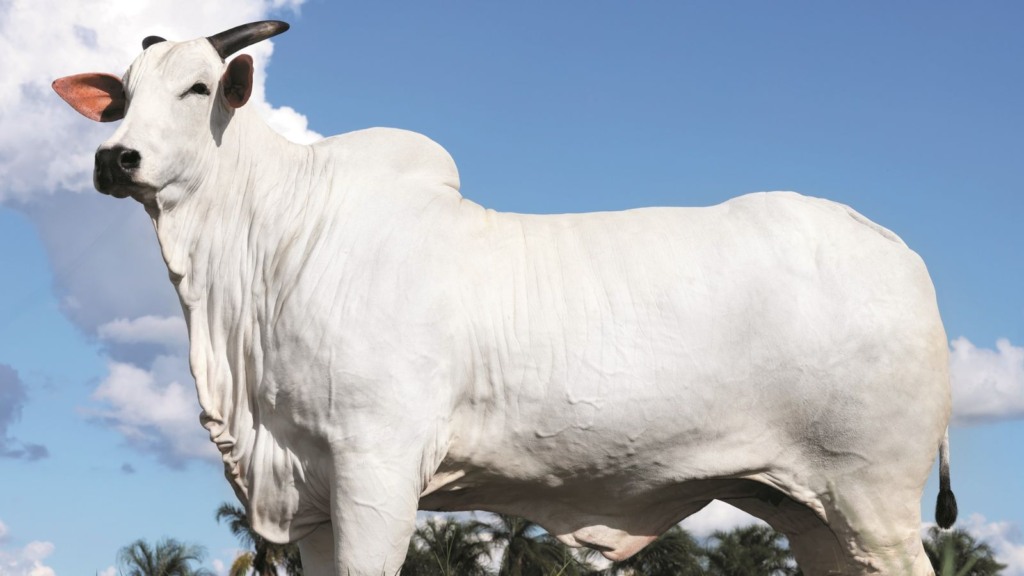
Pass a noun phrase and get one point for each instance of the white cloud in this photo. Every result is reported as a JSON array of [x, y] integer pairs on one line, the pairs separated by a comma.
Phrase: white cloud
[[169, 331], [109, 571], [46, 147], [3, 531], [289, 123], [27, 561], [1005, 538], [987, 384], [155, 410], [717, 516]]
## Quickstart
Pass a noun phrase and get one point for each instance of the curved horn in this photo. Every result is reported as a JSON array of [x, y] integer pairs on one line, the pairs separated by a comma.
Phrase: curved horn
[[230, 41], [150, 40]]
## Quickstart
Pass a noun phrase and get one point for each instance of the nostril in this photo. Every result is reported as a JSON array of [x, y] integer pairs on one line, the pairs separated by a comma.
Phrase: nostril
[[129, 159], [104, 158]]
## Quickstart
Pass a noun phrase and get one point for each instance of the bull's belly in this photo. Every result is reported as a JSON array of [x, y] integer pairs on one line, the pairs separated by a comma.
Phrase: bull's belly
[[617, 505], [613, 477], [605, 486]]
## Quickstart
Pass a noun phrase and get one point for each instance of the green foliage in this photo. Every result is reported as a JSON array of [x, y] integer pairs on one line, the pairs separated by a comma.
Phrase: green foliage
[[957, 553], [512, 546], [168, 557], [448, 547], [242, 565], [420, 562], [265, 557], [529, 551], [749, 550]]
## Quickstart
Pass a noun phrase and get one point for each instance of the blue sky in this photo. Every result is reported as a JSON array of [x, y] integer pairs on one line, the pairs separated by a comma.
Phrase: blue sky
[[911, 113]]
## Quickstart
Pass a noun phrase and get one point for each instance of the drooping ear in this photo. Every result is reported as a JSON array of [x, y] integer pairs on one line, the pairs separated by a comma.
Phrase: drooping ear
[[237, 81], [96, 96]]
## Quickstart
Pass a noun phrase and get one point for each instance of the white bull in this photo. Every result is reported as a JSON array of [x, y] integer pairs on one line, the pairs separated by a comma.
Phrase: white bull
[[366, 342]]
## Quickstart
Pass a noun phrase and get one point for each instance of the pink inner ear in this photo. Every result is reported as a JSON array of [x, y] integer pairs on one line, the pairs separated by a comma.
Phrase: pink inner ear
[[96, 96], [237, 81]]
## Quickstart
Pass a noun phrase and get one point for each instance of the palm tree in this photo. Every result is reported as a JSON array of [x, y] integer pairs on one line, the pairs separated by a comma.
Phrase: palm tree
[[957, 553], [265, 556], [448, 547], [419, 562], [674, 553], [529, 551], [750, 550], [168, 558]]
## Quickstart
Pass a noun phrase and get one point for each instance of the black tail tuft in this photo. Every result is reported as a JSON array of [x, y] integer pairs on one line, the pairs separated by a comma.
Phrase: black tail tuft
[[945, 504], [945, 508]]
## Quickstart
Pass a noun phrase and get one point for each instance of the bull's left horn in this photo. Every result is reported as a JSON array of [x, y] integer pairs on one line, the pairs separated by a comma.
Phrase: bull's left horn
[[150, 40], [230, 41]]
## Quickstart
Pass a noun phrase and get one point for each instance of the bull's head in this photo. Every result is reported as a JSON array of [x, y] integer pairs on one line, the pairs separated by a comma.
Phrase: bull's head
[[176, 99]]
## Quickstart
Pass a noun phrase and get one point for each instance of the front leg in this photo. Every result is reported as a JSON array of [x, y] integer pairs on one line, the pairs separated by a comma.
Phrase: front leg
[[317, 552], [374, 500]]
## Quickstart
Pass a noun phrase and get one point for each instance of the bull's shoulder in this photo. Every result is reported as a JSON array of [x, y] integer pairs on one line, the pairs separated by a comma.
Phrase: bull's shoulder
[[394, 152]]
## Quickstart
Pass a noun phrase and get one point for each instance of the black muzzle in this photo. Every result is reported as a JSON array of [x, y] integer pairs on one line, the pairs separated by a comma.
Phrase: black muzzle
[[115, 169]]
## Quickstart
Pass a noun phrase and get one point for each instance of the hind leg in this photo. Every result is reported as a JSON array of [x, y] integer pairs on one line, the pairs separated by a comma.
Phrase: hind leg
[[875, 507], [881, 524], [817, 549], [846, 532]]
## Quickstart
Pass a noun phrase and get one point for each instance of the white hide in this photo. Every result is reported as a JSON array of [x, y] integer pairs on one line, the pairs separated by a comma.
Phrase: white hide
[[365, 342]]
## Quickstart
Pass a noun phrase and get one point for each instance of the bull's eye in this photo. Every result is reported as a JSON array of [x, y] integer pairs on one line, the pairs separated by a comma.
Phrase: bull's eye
[[199, 88]]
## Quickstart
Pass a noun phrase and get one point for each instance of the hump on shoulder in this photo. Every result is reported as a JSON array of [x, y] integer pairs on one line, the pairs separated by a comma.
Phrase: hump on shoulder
[[395, 152]]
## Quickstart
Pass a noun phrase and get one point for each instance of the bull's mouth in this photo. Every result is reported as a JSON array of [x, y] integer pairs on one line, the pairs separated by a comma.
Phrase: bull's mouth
[[120, 184], [113, 188]]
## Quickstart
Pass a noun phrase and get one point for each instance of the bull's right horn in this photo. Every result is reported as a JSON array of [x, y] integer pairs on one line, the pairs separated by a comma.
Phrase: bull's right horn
[[230, 41]]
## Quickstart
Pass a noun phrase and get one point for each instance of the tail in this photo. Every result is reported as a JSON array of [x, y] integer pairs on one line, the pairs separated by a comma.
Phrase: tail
[[945, 505]]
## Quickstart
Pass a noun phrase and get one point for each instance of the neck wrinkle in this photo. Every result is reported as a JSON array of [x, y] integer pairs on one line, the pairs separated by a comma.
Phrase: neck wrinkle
[[216, 244], [249, 173]]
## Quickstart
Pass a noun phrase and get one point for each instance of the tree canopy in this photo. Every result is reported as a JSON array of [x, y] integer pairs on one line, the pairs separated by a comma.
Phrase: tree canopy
[[168, 557], [957, 553], [264, 557], [511, 546]]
